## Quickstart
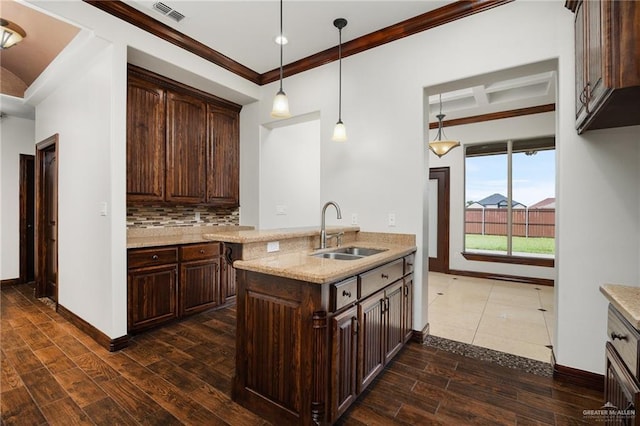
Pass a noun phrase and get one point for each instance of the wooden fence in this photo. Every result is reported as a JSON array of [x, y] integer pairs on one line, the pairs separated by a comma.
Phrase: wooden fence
[[526, 223]]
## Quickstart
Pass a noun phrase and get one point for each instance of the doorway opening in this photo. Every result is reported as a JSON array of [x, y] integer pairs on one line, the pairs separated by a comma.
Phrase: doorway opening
[[46, 177], [27, 218]]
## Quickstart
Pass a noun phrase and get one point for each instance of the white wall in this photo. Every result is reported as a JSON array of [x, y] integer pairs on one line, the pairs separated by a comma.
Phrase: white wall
[[488, 131], [16, 137], [88, 112], [290, 176], [382, 166]]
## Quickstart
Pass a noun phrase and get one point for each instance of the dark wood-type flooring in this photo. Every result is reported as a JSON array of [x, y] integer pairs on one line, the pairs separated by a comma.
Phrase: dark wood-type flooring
[[52, 373]]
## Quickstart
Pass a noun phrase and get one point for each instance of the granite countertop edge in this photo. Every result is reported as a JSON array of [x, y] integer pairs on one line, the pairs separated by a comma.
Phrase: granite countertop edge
[[304, 267], [626, 299]]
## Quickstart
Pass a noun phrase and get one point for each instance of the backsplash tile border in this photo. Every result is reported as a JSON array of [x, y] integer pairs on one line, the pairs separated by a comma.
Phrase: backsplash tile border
[[158, 216]]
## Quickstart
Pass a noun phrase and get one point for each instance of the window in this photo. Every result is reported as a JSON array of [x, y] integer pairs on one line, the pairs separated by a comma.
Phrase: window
[[510, 201]]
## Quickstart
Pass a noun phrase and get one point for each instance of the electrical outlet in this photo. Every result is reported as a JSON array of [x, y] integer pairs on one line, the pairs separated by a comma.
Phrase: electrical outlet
[[273, 246], [392, 219], [197, 216], [103, 208], [281, 210], [354, 218]]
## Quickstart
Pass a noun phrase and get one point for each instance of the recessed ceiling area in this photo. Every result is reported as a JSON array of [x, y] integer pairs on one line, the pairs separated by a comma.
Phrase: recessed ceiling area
[[46, 37]]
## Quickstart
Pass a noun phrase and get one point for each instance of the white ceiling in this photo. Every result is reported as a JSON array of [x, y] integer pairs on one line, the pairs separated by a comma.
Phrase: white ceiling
[[245, 30]]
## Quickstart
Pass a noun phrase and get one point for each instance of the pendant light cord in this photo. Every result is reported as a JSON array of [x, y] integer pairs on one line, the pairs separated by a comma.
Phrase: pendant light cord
[[281, 46], [340, 75]]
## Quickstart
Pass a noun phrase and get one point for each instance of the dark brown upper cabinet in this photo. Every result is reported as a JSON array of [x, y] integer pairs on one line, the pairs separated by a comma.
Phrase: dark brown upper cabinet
[[145, 141], [182, 144], [607, 49], [223, 156], [185, 149]]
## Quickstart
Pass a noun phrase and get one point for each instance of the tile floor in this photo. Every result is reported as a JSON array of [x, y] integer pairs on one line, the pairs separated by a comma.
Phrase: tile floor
[[509, 317]]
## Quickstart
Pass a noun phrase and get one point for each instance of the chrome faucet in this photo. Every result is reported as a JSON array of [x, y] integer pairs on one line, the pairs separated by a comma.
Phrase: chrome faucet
[[323, 231]]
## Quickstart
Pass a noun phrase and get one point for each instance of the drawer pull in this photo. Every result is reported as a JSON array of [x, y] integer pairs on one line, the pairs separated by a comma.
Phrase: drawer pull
[[201, 251], [385, 276], [154, 257], [615, 336], [346, 293], [409, 263]]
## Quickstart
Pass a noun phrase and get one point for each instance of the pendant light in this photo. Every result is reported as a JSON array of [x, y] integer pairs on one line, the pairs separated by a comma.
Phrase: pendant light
[[440, 147], [280, 102], [10, 34], [340, 132]]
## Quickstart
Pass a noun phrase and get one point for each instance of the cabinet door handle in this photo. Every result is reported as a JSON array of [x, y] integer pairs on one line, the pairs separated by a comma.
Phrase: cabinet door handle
[[618, 336], [384, 276], [409, 263], [346, 293], [384, 306], [154, 257], [356, 325], [201, 251]]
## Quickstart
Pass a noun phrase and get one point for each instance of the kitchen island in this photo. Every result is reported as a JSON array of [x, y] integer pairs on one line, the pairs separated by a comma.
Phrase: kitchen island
[[313, 332]]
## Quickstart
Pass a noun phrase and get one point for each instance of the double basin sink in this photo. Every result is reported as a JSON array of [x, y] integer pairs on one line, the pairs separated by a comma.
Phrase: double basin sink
[[348, 253]]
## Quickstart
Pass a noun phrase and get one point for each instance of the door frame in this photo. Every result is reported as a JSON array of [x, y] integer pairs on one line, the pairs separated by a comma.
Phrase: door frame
[[441, 263], [41, 285], [24, 183]]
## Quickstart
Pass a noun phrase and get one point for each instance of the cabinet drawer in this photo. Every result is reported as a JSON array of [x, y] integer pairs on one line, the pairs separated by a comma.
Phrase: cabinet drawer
[[344, 293], [139, 258], [199, 251], [408, 263], [374, 280], [624, 339]]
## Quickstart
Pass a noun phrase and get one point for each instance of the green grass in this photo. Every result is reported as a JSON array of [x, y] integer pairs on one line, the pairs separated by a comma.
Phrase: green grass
[[537, 245]]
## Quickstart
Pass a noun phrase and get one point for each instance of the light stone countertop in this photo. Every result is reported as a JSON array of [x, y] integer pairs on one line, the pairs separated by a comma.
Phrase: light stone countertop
[[626, 299], [155, 237], [301, 266], [244, 236]]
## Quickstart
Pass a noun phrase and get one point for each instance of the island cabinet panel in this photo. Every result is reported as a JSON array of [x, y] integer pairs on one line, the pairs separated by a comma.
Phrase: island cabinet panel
[[344, 361], [223, 157], [371, 317], [306, 351], [152, 296], [145, 140], [185, 149], [228, 277]]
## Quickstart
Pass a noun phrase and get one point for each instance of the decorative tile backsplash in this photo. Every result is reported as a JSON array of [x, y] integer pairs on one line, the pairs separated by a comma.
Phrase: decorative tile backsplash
[[143, 216]]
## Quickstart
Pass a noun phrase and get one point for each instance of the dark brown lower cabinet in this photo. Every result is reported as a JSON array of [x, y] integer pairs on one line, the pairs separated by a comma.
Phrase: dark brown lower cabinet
[[621, 391], [228, 277], [324, 343], [371, 358], [345, 329], [166, 283], [152, 296]]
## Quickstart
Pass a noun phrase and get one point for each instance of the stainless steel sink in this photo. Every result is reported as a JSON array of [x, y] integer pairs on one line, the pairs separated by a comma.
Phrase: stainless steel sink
[[347, 253], [357, 251], [338, 256]]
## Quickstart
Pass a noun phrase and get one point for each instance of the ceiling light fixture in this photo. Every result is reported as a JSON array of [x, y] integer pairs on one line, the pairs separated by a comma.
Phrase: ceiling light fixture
[[280, 102], [440, 147], [339, 131], [11, 34]]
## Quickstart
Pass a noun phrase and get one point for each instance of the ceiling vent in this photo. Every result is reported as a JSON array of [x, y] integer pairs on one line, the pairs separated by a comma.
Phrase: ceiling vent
[[168, 11]]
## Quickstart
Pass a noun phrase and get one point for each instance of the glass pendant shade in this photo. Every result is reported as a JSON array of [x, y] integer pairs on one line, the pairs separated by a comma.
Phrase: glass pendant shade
[[10, 33], [280, 105], [440, 148], [339, 132]]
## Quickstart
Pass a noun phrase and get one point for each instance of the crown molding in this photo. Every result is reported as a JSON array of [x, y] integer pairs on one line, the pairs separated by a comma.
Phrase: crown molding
[[451, 12]]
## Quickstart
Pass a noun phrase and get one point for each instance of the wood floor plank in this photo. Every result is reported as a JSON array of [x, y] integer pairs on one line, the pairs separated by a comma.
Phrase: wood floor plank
[[175, 375], [65, 412], [80, 387], [221, 404], [18, 408], [70, 345], [136, 402], [95, 367], [54, 359], [43, 386], [9, 378], [106, 412]]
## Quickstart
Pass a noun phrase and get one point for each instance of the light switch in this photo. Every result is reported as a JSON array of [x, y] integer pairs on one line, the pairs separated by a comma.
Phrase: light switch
[[354, 218], [103, 208], [392, 219]]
